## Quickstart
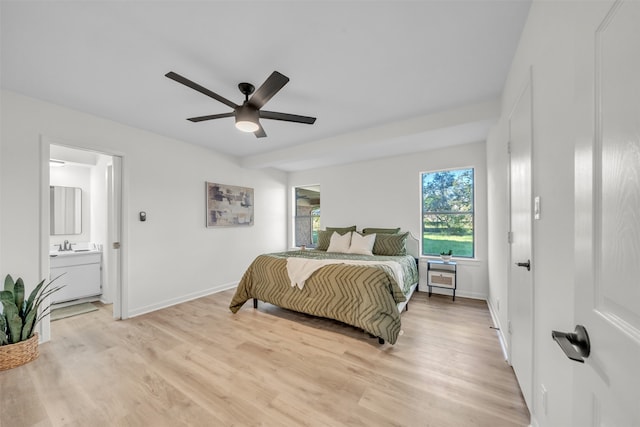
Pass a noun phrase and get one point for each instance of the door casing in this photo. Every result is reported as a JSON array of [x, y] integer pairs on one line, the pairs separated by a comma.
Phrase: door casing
[[120, 303], [520, 281]]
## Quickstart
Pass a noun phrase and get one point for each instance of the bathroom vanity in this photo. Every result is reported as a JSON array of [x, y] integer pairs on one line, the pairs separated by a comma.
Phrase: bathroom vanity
[[81, 274]]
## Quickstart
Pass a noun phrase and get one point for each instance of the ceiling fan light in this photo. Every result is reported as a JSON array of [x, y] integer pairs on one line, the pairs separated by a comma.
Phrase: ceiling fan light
[[246, 126], [247, 118]]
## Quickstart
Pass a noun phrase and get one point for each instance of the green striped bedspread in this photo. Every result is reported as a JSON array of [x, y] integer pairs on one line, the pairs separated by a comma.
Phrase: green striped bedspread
[[362, 296]]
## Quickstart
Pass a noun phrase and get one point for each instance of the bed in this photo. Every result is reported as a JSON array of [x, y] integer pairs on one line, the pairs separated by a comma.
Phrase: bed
[[365, 291]]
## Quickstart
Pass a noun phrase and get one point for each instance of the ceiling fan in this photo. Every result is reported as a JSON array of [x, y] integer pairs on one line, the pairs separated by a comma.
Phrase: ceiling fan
[[248, 114]]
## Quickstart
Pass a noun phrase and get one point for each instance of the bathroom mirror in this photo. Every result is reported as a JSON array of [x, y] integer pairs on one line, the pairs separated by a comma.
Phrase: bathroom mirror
[[66, 210]]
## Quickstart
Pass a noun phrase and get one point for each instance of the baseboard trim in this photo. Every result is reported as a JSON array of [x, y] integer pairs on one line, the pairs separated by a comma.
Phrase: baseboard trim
[[181, 299], [499, 330]]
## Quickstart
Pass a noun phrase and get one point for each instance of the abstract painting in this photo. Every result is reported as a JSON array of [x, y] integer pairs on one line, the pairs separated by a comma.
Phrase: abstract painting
[[229, 205]]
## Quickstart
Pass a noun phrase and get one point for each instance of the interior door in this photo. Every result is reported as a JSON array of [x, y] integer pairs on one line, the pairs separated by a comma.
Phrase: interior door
[[114, 219], [607, 239], [521, 275]]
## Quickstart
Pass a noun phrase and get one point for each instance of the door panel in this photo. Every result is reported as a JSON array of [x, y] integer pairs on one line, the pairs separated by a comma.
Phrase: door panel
[[617, 285], [113, 250], [607, 237], [521, 279]]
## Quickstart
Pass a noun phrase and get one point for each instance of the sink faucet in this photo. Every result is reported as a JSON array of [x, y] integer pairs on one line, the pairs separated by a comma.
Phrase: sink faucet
[[66, 246]]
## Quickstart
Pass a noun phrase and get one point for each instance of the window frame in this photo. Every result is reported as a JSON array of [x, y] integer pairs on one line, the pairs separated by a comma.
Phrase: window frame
[[311, 216], [423, 212]]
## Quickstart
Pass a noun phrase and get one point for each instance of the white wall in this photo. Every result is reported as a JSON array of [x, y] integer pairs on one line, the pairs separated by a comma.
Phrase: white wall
[[2, 274], [556, 45], [170, 257], [386, 193], [498, 224]]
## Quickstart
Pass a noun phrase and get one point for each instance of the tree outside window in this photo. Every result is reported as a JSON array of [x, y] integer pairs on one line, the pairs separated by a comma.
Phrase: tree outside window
[[447, 212]]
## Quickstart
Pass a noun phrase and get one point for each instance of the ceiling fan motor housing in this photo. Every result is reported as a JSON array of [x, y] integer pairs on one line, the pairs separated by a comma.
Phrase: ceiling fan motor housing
[[247, 117]]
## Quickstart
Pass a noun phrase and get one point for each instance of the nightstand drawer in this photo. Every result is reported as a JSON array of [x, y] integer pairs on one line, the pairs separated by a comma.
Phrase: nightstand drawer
[[442, 279]]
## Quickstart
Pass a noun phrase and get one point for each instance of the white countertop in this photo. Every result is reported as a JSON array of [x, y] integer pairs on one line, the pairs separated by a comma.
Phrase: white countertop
[[73, 252]]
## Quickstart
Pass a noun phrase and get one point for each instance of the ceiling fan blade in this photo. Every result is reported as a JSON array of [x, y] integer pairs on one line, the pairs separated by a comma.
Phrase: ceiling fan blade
[[195, 86], [286, 117], [211, 117], [270, 87], [260, 133]]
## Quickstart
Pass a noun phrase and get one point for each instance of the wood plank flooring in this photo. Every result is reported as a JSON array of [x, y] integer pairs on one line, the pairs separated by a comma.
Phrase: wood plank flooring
[[196, 364]]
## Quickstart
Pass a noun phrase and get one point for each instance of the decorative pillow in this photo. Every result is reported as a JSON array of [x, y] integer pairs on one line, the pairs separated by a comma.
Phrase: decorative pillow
[[390, 244], [324, 236], [362, 244], [339, 243], [371, 230]]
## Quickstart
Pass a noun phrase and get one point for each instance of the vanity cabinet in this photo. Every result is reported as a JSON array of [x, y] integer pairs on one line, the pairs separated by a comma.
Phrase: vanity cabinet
[[80, 275]]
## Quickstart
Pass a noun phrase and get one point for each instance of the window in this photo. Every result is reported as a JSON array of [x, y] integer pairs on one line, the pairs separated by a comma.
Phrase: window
[[447, 212], [307, 215]]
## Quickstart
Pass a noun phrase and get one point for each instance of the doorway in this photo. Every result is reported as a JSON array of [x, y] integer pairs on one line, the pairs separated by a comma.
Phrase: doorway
[[97, 179], [520, 291]]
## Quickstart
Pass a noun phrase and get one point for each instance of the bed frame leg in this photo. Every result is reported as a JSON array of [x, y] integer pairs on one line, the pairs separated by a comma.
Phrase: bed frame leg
[[255, 303], [380, 341]]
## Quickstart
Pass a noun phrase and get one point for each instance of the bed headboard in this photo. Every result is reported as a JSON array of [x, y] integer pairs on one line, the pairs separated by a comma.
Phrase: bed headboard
[[413, 246]]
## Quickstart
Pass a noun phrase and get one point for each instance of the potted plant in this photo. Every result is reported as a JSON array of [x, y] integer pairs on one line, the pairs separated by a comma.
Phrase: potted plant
[[19, 317], [446, 256]]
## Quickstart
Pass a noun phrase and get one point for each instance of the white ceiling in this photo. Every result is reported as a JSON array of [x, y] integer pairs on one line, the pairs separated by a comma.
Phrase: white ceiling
[[382, 77]]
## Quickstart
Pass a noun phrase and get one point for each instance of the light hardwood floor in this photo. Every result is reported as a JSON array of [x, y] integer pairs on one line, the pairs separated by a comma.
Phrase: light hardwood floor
[[196, 364]]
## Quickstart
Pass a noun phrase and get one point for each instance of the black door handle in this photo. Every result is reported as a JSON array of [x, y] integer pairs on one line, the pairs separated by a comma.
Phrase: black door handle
[[525, 264], [569, 341]]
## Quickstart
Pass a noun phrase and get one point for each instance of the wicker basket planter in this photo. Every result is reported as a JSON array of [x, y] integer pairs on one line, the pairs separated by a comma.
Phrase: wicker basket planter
[[14, 355]]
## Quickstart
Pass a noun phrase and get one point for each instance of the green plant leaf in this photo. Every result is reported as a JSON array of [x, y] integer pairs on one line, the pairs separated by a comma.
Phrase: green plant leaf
[[38, 299], [3, 330], [32, 296], [7, 296], [29, 323], [46, 291], [9, 283], [18, 294], [14, 322]]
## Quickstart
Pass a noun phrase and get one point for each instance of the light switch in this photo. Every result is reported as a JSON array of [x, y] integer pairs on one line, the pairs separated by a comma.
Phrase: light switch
[[536, 207]]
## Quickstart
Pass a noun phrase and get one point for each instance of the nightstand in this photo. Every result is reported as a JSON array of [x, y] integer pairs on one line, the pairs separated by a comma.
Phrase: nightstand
[[442, 274]]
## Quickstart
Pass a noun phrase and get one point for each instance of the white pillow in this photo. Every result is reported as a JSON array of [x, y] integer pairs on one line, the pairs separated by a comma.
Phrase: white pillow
[[339, 243], [362, 244]]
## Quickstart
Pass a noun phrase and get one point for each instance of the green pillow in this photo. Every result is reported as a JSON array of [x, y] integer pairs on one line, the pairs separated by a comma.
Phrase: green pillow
[[324, 236], [370, 230], [390, 244]]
